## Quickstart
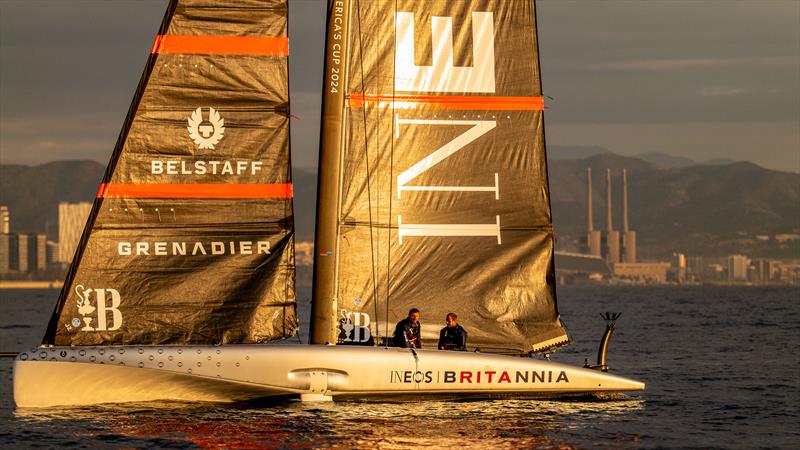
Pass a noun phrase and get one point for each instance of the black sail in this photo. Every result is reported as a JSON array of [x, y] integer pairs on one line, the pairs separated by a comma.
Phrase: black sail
[[191, 237], [443, 199]]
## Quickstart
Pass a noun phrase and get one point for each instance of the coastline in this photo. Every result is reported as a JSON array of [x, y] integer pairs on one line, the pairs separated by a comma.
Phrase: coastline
[[14, 284]]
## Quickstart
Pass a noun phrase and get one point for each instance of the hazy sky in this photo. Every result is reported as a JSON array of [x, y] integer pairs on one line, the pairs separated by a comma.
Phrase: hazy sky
[[702, 79]]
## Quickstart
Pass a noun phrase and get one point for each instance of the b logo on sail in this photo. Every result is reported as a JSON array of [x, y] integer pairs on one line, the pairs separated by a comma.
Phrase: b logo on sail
[[206, 135], [105, 301], [354, 327]]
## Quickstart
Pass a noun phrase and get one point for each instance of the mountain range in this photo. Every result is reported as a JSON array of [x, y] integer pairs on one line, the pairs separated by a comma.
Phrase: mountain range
[[674, 205], [657, 159]]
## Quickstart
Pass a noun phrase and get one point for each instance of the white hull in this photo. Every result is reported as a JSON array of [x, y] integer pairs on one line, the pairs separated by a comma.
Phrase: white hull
[[79, 376]]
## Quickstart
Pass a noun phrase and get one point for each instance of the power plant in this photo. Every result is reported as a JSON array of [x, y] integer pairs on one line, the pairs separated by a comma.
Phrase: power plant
[[613, 246]]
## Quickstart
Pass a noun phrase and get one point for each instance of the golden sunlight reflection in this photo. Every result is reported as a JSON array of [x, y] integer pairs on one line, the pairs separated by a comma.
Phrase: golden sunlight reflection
[[292, 424]]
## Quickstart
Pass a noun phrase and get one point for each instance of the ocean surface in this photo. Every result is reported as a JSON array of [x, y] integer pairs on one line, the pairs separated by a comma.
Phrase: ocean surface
[[721, 366]]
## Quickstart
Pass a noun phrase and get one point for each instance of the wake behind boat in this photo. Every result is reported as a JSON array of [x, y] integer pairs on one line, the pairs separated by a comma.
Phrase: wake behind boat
[[433, 194]]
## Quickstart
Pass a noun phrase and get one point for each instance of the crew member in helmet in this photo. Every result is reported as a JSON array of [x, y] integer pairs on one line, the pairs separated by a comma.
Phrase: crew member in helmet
[[453, 336], [407, 331]]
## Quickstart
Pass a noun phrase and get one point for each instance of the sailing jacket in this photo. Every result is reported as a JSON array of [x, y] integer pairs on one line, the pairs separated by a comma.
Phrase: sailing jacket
[[407, 334], [453, 338]]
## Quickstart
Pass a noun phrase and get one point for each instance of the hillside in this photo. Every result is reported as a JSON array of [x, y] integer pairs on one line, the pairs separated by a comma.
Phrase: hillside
[[699, 209], [33, 193]]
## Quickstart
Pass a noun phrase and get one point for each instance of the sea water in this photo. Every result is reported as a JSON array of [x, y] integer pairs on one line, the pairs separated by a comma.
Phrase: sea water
[[720, 363]]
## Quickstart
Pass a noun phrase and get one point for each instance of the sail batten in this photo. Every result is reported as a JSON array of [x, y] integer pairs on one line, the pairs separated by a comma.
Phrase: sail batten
[[221, 45], [191, 237], [444, 194], [195, 190], [448, 102]]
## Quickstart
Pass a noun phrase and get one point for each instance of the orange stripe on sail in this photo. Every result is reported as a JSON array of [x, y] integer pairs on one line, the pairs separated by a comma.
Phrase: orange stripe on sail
[[452, 102], [221, 45], [131, 190]]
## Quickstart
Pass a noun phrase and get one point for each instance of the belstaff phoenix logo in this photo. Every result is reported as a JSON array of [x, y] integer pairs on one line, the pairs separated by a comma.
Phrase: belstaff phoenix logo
[[204, 135], [85, 309]]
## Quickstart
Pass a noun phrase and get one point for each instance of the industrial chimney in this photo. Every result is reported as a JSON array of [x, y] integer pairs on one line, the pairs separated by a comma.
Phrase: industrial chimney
[[628, 236], [624, 200], [612, 237], [593, 246]]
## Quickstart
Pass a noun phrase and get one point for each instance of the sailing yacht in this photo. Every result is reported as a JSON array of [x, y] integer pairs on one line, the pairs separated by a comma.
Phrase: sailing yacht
[[433, 193]]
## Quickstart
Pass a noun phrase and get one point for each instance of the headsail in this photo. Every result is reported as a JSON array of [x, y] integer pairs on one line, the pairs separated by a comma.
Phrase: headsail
[[443, 198], [190, 240]]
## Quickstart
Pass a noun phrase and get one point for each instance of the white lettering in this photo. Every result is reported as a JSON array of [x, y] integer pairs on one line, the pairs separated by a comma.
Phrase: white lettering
[[162, 248], [182, 167], [478, 129], [443, 76], [227, 168], [179, 248], [102, 308], [217, 248], [448, 229]]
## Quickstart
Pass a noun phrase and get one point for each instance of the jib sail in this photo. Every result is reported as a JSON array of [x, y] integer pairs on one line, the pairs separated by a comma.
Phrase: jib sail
[[190, 240], [433, 128]]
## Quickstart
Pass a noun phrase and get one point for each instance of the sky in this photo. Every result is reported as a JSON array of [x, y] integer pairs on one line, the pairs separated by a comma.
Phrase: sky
[[700, 79]]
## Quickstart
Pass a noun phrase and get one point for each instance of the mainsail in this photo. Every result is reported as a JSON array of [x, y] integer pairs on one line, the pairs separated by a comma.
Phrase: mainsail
[[190, 240], [433, 185]]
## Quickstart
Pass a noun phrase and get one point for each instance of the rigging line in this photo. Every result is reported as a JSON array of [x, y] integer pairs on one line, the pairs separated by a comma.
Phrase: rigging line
[[391, 169], [372, 258], [288, 207]]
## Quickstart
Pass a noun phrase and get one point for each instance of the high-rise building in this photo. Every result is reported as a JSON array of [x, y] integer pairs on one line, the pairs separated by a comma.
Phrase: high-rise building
[[677, 268], [8, 250], [41, 252], [5, 220], [71, 221], [25, 253], [695, 267], [52, 253], [737, 267]]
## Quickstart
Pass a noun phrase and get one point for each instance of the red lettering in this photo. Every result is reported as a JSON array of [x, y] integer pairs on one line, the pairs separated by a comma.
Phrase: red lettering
[[505, 377], [467, 376], [490, 373]]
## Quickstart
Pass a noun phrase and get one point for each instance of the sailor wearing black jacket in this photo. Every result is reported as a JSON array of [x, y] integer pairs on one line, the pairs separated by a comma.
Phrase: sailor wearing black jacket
[[453, 336], [407, 331]]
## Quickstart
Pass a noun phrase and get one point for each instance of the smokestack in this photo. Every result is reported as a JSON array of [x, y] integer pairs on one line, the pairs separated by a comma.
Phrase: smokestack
[[589, 220], [609, 224], [624, 200]]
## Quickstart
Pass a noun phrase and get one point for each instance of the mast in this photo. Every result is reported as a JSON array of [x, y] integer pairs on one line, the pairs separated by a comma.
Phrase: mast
[[323, 304]]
